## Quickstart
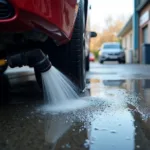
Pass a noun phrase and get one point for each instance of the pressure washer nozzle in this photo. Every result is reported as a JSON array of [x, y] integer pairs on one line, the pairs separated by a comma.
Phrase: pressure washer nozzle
[[43, 65], [35, 58]]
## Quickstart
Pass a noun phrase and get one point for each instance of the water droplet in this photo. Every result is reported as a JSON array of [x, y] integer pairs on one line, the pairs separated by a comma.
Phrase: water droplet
[[7, 141], [87, 141], [73, 130], [32, 112], [86, 145], [127, 138], [104, 129], [113, 131], [96, 129], [92, 142], [138, 146], [93, 138], [68, 146]]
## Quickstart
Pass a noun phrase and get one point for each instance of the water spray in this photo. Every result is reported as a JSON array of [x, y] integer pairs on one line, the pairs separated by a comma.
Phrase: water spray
[[60, 94], [35, 58]]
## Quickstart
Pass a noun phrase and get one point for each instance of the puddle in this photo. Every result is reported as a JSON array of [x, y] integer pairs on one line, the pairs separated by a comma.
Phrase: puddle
[[116, 119]]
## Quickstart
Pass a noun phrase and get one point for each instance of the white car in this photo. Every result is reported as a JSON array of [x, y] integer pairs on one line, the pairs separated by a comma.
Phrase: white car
[[112, 52]]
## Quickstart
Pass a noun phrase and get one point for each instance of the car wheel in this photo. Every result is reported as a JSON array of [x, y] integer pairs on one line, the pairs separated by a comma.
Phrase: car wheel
[[77, 48], [121, 62], [69, 58], [101, 62]]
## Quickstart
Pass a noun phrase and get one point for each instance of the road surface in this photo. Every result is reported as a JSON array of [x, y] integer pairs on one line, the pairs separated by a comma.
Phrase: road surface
[[118, 118]]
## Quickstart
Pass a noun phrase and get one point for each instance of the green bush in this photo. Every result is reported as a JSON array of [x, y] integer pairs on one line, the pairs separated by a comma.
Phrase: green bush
[[96, 54]]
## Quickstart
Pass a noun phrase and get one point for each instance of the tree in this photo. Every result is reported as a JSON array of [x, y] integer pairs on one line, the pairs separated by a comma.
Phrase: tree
[[109, 33]]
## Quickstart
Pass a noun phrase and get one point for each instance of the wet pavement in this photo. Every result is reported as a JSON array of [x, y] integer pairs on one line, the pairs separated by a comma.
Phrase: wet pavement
[[117, 119]]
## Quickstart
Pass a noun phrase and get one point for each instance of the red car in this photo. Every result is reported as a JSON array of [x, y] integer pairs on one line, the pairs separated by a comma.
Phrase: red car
[[92, 57], [57, 27]]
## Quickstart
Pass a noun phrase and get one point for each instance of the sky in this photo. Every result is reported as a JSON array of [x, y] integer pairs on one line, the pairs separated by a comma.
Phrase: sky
[[102, 9]]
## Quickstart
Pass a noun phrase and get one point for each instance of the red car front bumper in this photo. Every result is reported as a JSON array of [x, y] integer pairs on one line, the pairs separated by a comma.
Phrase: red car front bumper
[[56, 18]]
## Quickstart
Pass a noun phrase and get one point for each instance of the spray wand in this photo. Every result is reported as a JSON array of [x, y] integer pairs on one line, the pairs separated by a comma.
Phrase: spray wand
[[35, 58]]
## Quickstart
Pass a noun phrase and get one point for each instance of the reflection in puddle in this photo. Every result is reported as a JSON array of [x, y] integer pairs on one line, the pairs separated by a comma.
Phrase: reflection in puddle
[[133, 114], [65, 132], [101, 129], [117, 119], [118, 133], [115, 123], [55, 128], [116, 83]]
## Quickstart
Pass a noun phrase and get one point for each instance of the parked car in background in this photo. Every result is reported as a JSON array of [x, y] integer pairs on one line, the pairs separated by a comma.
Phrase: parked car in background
[[113, 82], [112, 52], [59, 28], [92, 57]]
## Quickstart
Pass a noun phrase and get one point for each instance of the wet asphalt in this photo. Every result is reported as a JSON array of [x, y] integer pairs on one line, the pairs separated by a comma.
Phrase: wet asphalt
[[118, 118]]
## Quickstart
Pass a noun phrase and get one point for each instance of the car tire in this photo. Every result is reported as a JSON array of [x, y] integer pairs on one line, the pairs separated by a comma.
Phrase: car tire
[[121, 62], [101, 62], [77, 48], [87, 63], [69, 58]]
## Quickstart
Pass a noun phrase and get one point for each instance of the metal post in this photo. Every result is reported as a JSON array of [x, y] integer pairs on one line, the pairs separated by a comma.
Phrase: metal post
[[135, 29]]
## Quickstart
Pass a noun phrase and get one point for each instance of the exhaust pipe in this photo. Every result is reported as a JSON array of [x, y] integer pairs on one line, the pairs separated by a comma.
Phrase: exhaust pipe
[[35, 58]]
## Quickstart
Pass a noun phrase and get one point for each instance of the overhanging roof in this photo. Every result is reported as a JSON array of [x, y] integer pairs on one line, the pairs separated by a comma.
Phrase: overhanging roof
[[126, 28]]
